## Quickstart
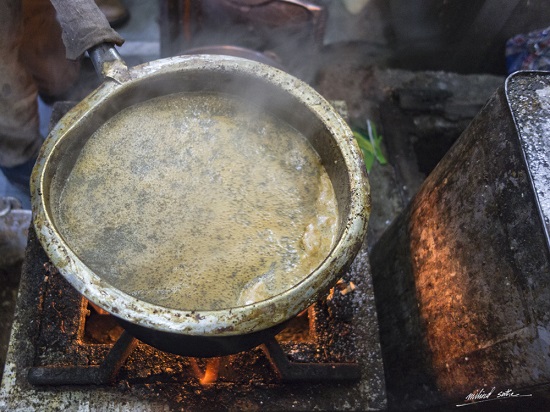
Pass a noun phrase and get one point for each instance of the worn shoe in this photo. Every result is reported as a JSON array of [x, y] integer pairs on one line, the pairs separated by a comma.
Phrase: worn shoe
[[117, 14]]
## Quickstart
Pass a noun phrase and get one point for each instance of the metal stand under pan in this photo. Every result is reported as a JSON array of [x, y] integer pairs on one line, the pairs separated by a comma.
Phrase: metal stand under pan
[[106, 373]]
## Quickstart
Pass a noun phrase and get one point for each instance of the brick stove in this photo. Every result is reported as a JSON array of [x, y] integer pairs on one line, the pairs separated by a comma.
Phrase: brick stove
[[54, 326]]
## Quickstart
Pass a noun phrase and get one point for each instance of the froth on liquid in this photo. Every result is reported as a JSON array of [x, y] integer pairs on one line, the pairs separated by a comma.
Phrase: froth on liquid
[[197, 201]]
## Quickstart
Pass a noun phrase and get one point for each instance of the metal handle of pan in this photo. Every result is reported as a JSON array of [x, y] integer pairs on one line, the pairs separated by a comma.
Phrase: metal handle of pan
[[85, 28], [108, 64]]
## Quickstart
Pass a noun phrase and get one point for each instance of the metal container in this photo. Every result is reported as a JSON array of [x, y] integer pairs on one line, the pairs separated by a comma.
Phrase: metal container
[[462, 275]]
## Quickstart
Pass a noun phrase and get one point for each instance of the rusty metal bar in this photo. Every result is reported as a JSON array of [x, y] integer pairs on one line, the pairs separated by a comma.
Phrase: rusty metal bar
[[289, 371], [87, 375]]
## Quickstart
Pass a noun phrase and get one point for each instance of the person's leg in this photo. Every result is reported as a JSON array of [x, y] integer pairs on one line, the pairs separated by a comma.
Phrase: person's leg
[[42, 50], [20, 139]]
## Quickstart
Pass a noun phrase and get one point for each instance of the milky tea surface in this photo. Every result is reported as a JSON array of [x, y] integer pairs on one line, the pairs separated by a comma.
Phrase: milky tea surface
[[198, 201]]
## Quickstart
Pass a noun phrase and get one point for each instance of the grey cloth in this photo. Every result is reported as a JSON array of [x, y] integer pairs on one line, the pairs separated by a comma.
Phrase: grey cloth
[[84, 26]]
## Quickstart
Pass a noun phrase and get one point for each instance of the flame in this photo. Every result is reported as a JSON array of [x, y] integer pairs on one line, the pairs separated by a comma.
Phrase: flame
[[210, 374]]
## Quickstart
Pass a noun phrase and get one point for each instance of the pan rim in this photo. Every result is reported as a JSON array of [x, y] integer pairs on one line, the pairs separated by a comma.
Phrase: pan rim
[[224, 322]]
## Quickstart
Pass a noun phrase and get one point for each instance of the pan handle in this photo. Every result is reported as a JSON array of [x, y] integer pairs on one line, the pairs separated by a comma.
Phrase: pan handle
[[85, 28], [108, 64]]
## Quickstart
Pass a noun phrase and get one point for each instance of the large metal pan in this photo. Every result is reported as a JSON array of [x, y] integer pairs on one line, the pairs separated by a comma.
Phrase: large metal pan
[[200, 332]]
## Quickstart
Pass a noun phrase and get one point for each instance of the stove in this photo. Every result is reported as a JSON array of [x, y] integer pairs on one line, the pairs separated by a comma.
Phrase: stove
[[327, 359]]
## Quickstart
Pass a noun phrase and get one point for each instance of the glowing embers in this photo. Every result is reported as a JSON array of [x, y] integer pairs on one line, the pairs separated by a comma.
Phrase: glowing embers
[[99, 326]]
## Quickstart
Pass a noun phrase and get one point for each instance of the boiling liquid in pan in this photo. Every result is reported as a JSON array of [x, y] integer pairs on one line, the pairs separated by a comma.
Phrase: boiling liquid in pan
[[198, 201]]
